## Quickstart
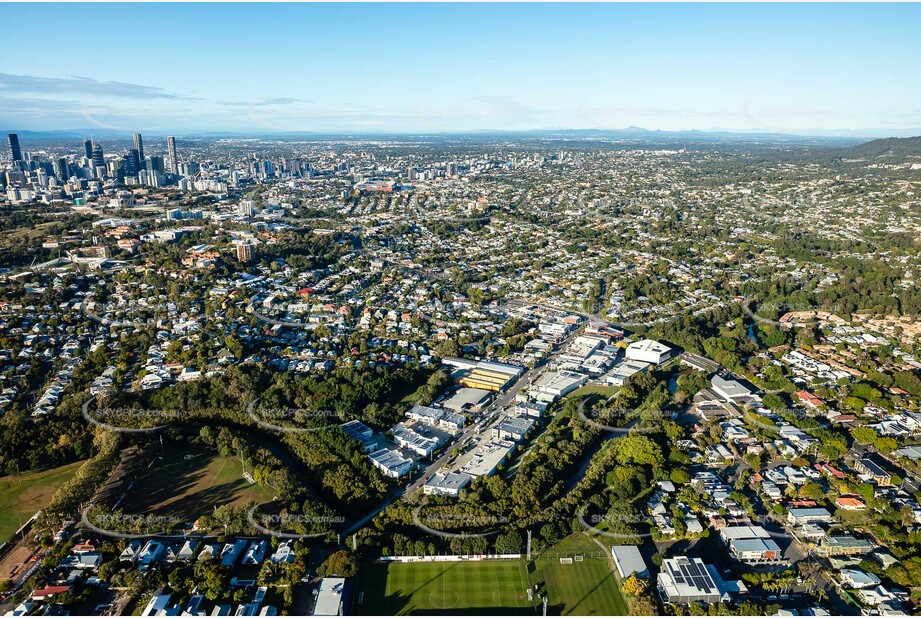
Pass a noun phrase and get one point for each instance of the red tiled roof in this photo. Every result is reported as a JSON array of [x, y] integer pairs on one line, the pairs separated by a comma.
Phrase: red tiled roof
[[47, 591]]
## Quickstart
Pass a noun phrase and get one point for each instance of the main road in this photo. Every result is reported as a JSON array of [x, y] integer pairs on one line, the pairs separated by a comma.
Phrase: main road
[[489, 415]]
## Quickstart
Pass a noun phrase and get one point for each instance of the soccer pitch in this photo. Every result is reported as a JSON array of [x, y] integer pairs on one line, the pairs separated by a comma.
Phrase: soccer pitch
[[483, 587], [585, 588]]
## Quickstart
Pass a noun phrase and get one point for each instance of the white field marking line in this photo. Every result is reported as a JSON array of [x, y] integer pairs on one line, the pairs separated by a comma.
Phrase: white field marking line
[[217, 474]]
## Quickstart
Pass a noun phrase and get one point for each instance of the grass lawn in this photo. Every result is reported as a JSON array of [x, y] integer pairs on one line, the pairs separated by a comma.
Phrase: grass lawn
[[468, 588], [22, 496], [189, 482], [595, 389], [587, 588]]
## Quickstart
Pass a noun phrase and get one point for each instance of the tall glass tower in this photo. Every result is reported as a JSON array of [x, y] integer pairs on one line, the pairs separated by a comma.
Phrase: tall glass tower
[[139, 145], [173, 158], [14, 147]]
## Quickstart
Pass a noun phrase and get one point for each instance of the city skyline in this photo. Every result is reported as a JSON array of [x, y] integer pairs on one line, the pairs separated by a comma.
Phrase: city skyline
[[803, 69]]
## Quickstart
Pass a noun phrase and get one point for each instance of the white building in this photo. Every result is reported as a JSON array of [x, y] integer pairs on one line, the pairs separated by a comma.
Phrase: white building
[[555, 384], [391, 462], [329, 598], [648, 351], [449, 484]]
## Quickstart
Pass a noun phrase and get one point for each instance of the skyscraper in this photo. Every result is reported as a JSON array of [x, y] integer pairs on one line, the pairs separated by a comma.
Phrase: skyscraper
[[61, 169], [88, 149], [173, 159], [14, 147], [155, 164], [134, 159], [139, 146], [96, 156]]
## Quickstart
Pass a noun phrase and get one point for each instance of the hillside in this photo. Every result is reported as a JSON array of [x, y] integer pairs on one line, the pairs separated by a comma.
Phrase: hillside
[[891, 147]]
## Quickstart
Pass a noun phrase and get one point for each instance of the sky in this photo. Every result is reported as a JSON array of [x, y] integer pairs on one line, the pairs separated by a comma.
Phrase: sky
[[185, 68]]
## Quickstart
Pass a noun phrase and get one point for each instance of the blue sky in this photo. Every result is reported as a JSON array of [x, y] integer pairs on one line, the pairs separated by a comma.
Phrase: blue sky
[[451, 67]]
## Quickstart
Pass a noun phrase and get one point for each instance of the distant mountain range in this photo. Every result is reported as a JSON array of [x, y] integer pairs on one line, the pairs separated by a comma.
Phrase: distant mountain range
[[849, 146]]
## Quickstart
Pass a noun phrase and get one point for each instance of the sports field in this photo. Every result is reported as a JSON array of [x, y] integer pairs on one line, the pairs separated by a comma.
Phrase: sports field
[[186, 483], [21, 496], [486, 587], [585, 588]]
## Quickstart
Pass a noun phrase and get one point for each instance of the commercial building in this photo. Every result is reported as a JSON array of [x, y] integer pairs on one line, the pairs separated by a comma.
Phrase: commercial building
[[622, 372], [468, 400], [15, 151], [684, 580], [139, 146], [730, 388], [360, 432], [420, 439], [449, 484], [97, 158], [534, 409], [555, 384], [437, 417], [752, 545], [488, 457], [391, 462], [648, 351], [512, 428], [486, 375], [331, 597]]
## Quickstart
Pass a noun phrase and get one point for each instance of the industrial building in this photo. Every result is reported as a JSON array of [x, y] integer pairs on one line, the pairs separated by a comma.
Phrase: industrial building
[[449, 484], [391, 462], [485, 375], [555, 384], [648, 351]]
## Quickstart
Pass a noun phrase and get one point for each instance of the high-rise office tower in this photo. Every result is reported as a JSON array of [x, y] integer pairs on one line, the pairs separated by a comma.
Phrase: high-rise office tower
[[128, 164], [155, 164], [139, 146], [88, 149], [134, 160], [14, 147], [96, 156], [61, 169], [173, 158]]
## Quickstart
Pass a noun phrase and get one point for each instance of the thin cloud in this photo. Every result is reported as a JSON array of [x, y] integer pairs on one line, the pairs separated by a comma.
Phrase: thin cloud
[[32, 84], [264, 102]]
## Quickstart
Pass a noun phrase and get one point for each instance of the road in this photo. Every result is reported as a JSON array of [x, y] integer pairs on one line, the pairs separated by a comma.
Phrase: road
[[490, 414], [468, 434]]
